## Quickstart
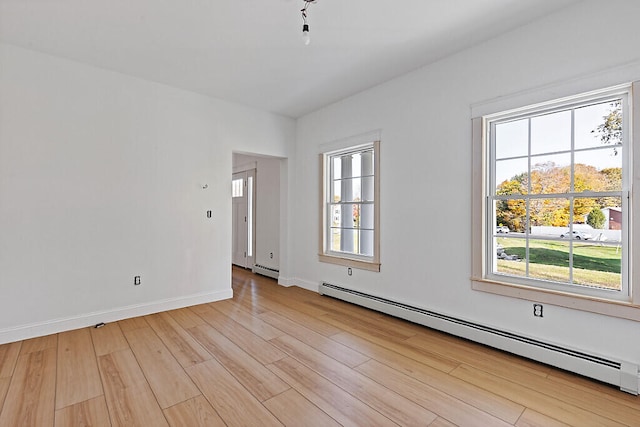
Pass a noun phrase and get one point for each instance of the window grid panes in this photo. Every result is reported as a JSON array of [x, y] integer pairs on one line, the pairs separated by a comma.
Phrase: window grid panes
[[350, 204], [557, 197]]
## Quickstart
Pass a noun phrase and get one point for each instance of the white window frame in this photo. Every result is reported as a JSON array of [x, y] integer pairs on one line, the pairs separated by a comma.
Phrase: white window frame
[[371, 263], [624, 304]]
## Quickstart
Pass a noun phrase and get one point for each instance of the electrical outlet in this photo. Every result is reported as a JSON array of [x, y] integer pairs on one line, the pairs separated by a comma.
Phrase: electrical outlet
[[537, 310], [349, 271], [271, 255], [136, 280]]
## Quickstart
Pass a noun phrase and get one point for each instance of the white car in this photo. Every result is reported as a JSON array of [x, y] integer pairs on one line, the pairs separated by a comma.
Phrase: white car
[[502, 229], [578, 235]]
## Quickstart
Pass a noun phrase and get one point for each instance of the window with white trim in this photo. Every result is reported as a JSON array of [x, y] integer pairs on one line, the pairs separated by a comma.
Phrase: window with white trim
[[557, 181], [350, 207]]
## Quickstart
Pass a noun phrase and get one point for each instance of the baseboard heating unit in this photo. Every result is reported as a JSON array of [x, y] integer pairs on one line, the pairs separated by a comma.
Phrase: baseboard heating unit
[[616, 372], [266, 271]]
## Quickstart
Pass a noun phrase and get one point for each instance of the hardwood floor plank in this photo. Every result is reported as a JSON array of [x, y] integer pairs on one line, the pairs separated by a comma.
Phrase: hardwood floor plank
[[135, 409], [34, 345], [120, 370], [108, 339], [331, 348], [127, 325], [4, 388], [78, 378], [167, 379], [532, 418], [246, 319], [248, 292], [533, 399], [231, 400], [397, 327], [442, 404], [260, 349], [596, 389], [441, 422], [261, 382], [31, 396], [196, 412], [618, 411], [392, 405], [426, 357], [184, 348], [294, 410], [313, 323], [490, 360], [186, 318], [298, 304], [90, 413], [378, 327], [497, 406], [128, 395], [334, 401], [8, 357]]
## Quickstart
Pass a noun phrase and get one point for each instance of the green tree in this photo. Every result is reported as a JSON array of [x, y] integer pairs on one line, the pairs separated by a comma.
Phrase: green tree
[[610, 131], [596, 218]]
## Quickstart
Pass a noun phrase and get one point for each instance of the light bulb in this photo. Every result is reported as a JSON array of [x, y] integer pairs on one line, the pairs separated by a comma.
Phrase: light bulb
[[306, 38]]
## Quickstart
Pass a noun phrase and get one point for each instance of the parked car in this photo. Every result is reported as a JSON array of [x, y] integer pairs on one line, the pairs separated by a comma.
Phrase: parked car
[[502, 229], [578, 235]]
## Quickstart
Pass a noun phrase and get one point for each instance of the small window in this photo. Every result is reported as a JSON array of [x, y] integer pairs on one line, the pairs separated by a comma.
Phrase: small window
[[350, 207], [557, 182], [237, 187]]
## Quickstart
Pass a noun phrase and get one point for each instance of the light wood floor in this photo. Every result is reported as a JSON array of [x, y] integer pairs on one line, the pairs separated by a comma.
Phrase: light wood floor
[[274, 356]]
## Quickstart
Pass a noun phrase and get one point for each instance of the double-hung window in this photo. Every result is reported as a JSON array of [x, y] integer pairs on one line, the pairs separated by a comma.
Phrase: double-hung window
[[556, 199], [350, 229]]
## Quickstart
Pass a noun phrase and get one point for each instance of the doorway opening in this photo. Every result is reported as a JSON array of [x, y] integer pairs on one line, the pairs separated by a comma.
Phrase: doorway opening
[[259, 190], [243, 218]]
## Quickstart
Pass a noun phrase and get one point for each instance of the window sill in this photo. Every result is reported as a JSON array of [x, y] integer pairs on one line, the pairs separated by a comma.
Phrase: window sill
[[349, 262], [620, 309]]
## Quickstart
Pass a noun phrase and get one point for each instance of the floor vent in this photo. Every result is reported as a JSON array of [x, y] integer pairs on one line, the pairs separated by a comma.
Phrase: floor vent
[[266, 271], [622, 374]]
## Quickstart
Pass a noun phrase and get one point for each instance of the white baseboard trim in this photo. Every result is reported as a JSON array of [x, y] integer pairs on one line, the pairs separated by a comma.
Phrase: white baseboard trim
[[285, 281], [306, 284], [39, 329], [301, 283]]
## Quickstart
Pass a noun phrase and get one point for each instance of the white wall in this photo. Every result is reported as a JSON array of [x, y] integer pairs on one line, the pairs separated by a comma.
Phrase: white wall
[[426, 159], [267, 209], [100, 180]]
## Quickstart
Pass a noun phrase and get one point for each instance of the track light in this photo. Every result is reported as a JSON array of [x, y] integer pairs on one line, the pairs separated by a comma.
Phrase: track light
[[306, 37]]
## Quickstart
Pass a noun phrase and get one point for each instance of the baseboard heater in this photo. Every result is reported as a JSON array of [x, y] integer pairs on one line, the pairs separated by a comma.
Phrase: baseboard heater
[[619, 373], [266, 271]]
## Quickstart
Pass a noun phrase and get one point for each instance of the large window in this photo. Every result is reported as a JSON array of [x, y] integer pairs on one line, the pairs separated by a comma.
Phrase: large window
[[350, 207], [557, 184]]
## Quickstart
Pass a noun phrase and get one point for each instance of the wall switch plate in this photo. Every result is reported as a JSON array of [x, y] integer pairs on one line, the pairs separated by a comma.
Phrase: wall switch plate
[[136, 280]]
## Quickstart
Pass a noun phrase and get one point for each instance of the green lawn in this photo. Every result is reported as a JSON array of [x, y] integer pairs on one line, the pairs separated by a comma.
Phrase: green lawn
[[594, 265]]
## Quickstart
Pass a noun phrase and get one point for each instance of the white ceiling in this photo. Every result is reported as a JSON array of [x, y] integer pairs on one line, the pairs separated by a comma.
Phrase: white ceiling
[[251, 51]]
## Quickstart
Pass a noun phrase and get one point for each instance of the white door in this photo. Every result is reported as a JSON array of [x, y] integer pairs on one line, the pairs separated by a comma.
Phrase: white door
[[242, 218]]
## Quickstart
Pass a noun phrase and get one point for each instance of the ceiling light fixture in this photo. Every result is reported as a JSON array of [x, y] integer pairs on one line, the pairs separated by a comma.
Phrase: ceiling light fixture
[[306, 38]]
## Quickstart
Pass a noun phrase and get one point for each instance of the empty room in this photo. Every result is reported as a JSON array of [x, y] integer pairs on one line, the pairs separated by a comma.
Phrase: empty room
[[319, 213]]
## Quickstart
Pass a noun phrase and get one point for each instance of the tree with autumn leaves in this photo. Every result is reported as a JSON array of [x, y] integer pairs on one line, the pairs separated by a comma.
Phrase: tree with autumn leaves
[[549, 178]]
